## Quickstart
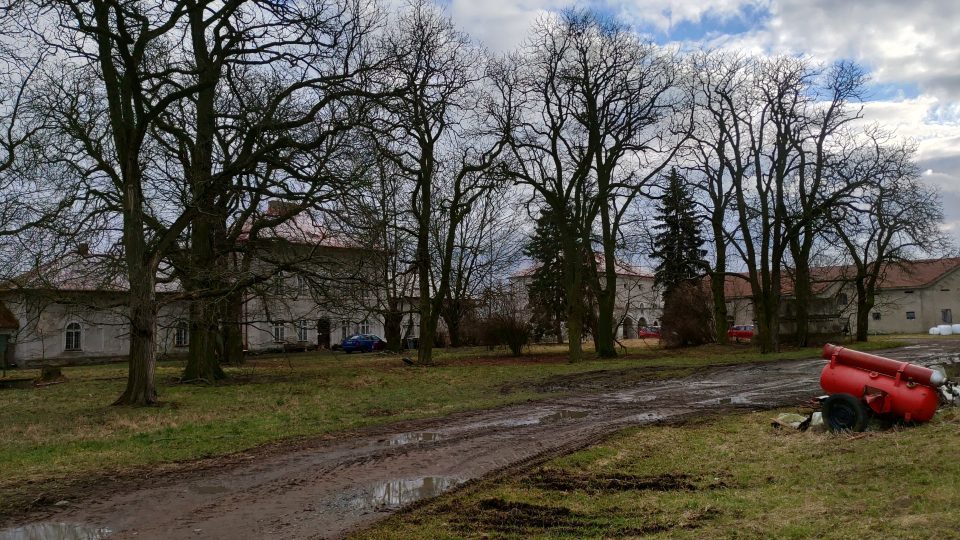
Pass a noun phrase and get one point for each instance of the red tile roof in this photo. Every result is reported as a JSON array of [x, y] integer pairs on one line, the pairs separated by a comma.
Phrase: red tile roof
[[901, 275]]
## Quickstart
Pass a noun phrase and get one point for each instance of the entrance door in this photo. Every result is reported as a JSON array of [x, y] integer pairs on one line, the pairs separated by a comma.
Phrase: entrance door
[[947, 316], [323, 333]]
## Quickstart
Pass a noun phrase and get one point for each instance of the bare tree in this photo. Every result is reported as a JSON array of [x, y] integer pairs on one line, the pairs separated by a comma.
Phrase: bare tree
[[279, 88], [600, 122], [444, 133], [487, 244], [894, 217], [822, 143], [105, 90]]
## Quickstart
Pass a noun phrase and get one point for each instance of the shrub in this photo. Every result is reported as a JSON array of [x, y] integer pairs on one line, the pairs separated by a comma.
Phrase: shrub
[[687, 316], [507, 330]]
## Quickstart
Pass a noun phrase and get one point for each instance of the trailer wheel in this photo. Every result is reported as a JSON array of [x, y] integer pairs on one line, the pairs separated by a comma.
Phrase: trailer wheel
[[843, 412]]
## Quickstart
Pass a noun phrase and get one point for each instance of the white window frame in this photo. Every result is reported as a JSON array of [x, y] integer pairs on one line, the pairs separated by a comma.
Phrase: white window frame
[[302, 285], [181, 334], [279, 332], [364, 327], [73, 331], [302, 331]]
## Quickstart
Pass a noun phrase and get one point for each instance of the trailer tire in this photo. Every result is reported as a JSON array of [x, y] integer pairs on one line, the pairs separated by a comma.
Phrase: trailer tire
[[844, 412]]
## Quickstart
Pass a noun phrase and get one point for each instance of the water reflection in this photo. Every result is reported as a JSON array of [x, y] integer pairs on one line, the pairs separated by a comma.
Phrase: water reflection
[[414, 437], [397, 493], [54, 531]]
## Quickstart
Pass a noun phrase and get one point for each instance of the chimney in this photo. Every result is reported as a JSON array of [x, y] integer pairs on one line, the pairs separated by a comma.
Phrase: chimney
[[83, 249]]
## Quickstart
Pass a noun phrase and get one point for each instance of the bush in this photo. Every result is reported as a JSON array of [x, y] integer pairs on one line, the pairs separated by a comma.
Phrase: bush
[[507, 330], [687, 316]]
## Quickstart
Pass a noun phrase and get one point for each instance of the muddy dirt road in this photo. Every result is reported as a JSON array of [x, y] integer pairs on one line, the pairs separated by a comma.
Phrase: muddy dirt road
[[329, 489]]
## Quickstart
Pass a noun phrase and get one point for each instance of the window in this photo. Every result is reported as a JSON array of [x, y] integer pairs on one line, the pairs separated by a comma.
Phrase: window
[[278, 284], [73, 337], [946, 315], [876, 315], [842, 300], [907, 292], [181, 335], [301, 330], [365, 327], [279, 332], [344, 329], [911, 315], [302, 285]]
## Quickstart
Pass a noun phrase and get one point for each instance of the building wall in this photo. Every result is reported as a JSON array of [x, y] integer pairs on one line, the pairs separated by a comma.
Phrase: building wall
[[636, 301], [927, 306], [890, 314], [104, 330]]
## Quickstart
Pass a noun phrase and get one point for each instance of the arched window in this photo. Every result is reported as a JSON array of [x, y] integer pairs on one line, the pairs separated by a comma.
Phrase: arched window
[[73, 337], [181, 336]]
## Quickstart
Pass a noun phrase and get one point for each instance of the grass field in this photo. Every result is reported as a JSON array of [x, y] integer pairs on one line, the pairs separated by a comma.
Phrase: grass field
[[55, 436], [724, 477]]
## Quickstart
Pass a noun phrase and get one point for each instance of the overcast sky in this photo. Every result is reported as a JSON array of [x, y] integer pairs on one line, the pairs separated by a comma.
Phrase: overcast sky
[[911, 49]]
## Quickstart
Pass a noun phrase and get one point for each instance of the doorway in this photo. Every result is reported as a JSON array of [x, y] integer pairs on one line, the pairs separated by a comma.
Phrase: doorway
[[323, 333]]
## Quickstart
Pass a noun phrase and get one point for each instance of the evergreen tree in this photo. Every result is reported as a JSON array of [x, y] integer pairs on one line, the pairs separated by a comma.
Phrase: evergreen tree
[[687, 317], [678, 240], [548, 300], [546, 291]]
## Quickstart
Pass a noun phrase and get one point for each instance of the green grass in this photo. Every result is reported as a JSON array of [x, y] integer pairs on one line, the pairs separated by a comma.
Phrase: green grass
[[59, 435], [720, 477]]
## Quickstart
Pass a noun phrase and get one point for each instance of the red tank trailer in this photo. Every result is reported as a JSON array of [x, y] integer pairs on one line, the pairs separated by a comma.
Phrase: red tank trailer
[[857, 381]]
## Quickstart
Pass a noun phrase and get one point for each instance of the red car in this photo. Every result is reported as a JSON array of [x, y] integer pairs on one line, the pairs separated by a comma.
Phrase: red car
[[741, 331], [649, 332]]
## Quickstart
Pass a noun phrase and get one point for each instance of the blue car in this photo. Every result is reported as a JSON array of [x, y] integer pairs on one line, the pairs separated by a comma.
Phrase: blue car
[[363, 343]]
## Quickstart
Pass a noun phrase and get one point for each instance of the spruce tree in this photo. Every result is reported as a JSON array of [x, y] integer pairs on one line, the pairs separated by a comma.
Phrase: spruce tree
[[687, 317], [548, 300], [678, 241]]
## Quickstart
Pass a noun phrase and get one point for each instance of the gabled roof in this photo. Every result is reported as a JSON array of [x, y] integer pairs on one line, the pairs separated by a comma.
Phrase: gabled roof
[[900, 275], [78, 272], [300, 228]]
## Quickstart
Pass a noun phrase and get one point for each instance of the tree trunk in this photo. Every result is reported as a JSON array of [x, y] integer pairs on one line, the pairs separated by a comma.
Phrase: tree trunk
[[393, 329], [141, 273], [802, 296], [428, 333], [865, 303], [573, 283], [453, 328], [718, 286], [205, 270], [230, 330], [203, 363], [767, 322], [606, 330], [141, 389]]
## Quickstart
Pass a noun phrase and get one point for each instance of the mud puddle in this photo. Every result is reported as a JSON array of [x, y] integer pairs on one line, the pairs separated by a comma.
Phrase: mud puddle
[[54, 531], [412, 438], [394, 494]]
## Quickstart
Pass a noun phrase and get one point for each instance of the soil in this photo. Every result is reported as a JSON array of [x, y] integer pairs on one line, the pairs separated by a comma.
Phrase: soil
[[328, 487]]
